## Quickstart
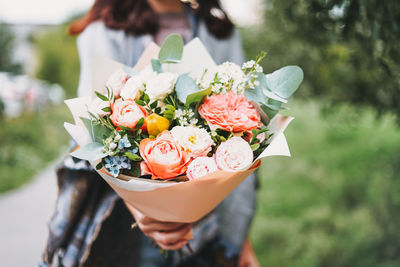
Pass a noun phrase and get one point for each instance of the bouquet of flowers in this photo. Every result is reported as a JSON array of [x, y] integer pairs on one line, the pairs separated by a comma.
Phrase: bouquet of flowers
[[174, 135]]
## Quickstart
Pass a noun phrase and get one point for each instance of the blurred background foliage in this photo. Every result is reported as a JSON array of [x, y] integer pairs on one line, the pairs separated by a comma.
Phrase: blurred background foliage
[[336, 202], [58, 59], [7, 43], [348, 49]]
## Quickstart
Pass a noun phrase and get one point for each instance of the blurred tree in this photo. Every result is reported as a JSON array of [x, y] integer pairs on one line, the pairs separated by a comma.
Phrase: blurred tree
[[6, 50], [348, 49], [58, 59]]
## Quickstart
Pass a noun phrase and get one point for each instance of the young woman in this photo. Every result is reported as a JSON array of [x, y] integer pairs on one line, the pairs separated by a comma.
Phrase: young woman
[[91, 225]]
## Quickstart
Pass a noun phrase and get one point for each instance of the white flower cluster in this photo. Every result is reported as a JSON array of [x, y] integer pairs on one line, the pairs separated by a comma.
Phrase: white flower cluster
[[224, 78], [252, 64], [185, 117], [156, 85]]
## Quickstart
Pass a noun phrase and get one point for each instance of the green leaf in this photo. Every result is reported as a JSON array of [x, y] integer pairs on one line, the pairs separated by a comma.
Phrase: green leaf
[[124, 128], [99, 166], [198, 96], [106, 109], [91, 151], [172, 49], [146, 98], [157, 110], [185, 86], [254, 147], [88, 124], [97, 132], [132, 156], [285, 81], [135, 171], [156, 65], [102, 97], [170, 107], [139, 124], [271, 108], [140, 102], [154, 105], [257, 94]]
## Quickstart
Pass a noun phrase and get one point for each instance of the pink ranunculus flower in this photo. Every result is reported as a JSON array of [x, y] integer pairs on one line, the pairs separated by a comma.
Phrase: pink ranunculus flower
[[163, 157], [127, 113], [200, 167], [229, 112], [235, 154], [116, 81]]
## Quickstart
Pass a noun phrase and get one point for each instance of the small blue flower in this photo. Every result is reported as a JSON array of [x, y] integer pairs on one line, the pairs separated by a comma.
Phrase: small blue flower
[[124, 142], [115, 164], [134, 150]]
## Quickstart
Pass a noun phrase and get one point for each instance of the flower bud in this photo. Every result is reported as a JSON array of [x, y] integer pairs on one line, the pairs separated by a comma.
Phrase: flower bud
[[156, 124]]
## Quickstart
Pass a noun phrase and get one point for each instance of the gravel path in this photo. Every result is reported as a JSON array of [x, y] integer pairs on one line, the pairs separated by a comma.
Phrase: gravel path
[[23, 220]]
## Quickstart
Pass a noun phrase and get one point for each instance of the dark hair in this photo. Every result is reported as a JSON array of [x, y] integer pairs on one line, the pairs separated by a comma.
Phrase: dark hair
[[137, 17]]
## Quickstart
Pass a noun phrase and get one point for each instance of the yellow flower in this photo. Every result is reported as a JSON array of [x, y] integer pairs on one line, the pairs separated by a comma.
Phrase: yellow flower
[[156, 124]]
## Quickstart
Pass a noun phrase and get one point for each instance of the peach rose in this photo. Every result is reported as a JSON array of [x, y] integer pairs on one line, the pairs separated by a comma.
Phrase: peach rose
[[229, 112], [163, 157], [234, 155], [200, 167], [127, 113]]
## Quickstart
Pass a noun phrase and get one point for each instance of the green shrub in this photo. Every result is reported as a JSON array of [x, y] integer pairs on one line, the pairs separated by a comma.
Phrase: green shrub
[[29, 143], [336, 201]]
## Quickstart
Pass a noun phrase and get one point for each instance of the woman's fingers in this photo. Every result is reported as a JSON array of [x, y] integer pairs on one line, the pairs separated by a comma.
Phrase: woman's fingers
[[171, 238], [161, 226]]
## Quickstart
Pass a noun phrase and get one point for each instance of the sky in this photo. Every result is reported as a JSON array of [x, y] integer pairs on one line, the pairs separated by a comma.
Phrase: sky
[[57, 11]]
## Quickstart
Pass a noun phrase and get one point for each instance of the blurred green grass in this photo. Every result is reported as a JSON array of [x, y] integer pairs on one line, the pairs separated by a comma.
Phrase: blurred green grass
[[336, 202], [29, 143]]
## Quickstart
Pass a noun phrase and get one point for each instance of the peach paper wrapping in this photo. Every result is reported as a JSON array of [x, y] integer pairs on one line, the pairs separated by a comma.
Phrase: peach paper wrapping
[[164, 200]]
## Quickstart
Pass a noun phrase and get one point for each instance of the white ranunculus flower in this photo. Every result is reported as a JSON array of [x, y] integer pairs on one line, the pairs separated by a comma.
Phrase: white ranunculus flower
[[193, 140], [147, 74], [160, 86], [117, 80], [133, 87]]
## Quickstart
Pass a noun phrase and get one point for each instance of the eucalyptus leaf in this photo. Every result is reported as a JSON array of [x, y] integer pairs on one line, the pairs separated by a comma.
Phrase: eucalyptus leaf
[[130, 71], [91, 151], [172, 49], [271, 108], [185, 85], [285, 81], [156, 65], [88, 124], [97, 132], [197, 97]]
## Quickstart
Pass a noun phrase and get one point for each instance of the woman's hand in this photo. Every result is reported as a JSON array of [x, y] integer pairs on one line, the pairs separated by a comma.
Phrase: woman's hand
[[247, 257], [168, 235]]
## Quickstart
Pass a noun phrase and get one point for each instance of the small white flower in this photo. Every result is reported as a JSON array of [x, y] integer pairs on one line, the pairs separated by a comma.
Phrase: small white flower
[[160, 86], [258, 68], [113, 146], [248, 64], [232, 76], [193, 140]]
